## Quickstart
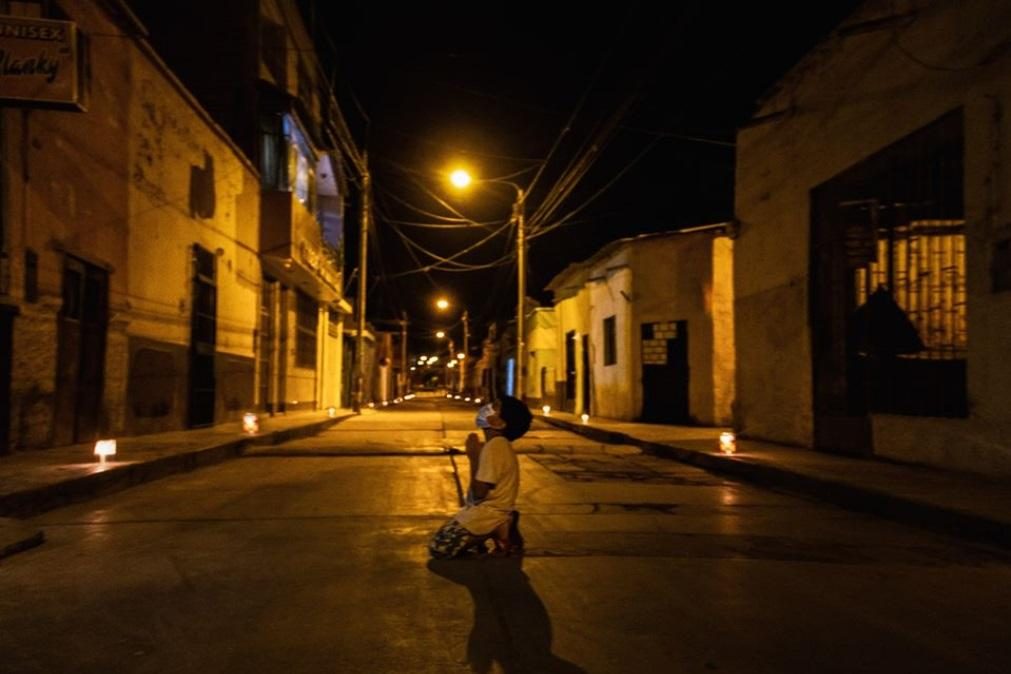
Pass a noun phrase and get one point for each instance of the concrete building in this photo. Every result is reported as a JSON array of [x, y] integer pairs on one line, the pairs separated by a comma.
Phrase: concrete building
[[645, 329], [130, 232], [268, 91], [542, 356], [873, 267]]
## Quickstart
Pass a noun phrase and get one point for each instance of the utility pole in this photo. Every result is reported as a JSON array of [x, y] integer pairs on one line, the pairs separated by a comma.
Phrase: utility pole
[[363, 250], [466, 354], [521, 283], [403, 355]]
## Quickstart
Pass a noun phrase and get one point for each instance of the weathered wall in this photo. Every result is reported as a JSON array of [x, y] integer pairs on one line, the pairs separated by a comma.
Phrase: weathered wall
[[611, 290], [188, 186], [721, 311], [541, 344], [674, 282], [848, 99], [572, 313], [129, 186]]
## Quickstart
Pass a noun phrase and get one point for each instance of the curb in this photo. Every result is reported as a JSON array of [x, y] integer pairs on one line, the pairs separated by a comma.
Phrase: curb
[[31, 502], [939, 519], [17, 537]]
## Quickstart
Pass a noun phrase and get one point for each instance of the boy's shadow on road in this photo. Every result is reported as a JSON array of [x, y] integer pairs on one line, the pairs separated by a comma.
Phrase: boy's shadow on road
[[511, 623]]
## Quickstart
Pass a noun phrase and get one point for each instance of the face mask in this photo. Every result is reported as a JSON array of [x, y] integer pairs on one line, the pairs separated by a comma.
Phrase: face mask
[[483, 414]]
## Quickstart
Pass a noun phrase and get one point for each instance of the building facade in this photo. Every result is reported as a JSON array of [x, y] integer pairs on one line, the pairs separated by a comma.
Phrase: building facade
[[645, 329], [131, 233], [873, 272], [542, 356], [268, 91], [170, 234]]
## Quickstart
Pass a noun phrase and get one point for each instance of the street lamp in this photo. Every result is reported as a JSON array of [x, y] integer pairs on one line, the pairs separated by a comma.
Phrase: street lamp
[[461, 179], [442, 304]]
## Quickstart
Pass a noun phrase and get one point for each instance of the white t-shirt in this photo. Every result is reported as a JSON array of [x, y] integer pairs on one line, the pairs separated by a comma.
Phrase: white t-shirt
[[496, 466]]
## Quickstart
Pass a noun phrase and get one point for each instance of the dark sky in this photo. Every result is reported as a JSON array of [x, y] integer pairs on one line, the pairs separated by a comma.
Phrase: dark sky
[[659, 91]]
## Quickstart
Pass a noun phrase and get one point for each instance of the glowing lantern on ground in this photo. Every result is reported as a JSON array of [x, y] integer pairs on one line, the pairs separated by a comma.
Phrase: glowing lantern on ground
[[331, 412], [728, 443], [250, 423], [547, 410], [104, 448], [585, 417]]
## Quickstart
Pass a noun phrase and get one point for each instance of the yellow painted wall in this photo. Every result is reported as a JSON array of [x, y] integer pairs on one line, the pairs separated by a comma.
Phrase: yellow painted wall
[[111, 186], [572, 313]]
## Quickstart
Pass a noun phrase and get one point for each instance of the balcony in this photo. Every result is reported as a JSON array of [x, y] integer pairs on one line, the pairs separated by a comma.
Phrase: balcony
[[291, 246]]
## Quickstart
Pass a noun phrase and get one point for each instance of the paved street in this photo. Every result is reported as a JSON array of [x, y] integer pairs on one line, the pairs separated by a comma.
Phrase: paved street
[[310, 557]]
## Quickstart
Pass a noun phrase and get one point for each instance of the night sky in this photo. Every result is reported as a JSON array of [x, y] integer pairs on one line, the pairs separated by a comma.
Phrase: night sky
[[658, 92]]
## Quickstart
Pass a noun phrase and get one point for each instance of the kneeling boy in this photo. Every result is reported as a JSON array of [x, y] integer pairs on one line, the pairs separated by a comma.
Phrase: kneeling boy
[[494, 485]]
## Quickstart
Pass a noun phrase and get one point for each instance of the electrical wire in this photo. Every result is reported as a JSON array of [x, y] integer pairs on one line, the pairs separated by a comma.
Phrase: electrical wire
[[544, 229]]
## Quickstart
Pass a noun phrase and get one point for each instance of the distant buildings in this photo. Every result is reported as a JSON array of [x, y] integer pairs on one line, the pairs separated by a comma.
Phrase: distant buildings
[[864, 303], [642, 330]]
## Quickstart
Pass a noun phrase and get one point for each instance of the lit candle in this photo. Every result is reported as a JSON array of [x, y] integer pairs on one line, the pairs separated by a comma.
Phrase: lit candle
[[105, 448], [728, 443], [250, 423]]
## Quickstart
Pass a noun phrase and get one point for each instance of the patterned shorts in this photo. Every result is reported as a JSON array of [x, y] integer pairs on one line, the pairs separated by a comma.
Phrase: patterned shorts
[[452, 540]]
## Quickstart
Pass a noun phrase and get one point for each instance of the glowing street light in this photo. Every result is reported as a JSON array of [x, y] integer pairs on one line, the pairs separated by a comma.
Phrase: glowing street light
[[442, 304], [440, 334], [461, 355], [460, 178]]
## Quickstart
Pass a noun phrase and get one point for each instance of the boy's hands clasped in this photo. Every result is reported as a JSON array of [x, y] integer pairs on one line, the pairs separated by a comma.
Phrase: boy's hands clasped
[[473, 446]]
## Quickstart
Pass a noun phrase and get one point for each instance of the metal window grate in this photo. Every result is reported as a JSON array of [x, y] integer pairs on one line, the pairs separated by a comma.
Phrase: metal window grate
[[923, 264]]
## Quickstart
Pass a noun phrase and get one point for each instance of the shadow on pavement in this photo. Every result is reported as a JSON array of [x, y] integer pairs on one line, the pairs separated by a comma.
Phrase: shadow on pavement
[[511, 623]]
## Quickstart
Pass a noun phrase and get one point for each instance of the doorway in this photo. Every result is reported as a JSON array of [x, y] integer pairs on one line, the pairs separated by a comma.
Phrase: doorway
[[587, 387], [267, 341], [203, 337], [570, 371], [81, 337], [7, 314], [665, 374]]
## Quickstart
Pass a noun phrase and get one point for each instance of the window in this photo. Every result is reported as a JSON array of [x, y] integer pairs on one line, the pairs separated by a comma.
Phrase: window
[[31, 276], [889, 317], [306, 322], [272, 146], [286, 161], [610, 351]]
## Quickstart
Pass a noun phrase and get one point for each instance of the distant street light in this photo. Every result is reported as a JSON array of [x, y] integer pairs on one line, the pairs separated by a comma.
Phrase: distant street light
[[440, 334], [442, 304], [461, 179]]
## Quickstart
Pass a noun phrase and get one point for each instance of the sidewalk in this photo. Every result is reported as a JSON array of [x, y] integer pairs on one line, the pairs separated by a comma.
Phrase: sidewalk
[[974, 507], [34, 481]]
